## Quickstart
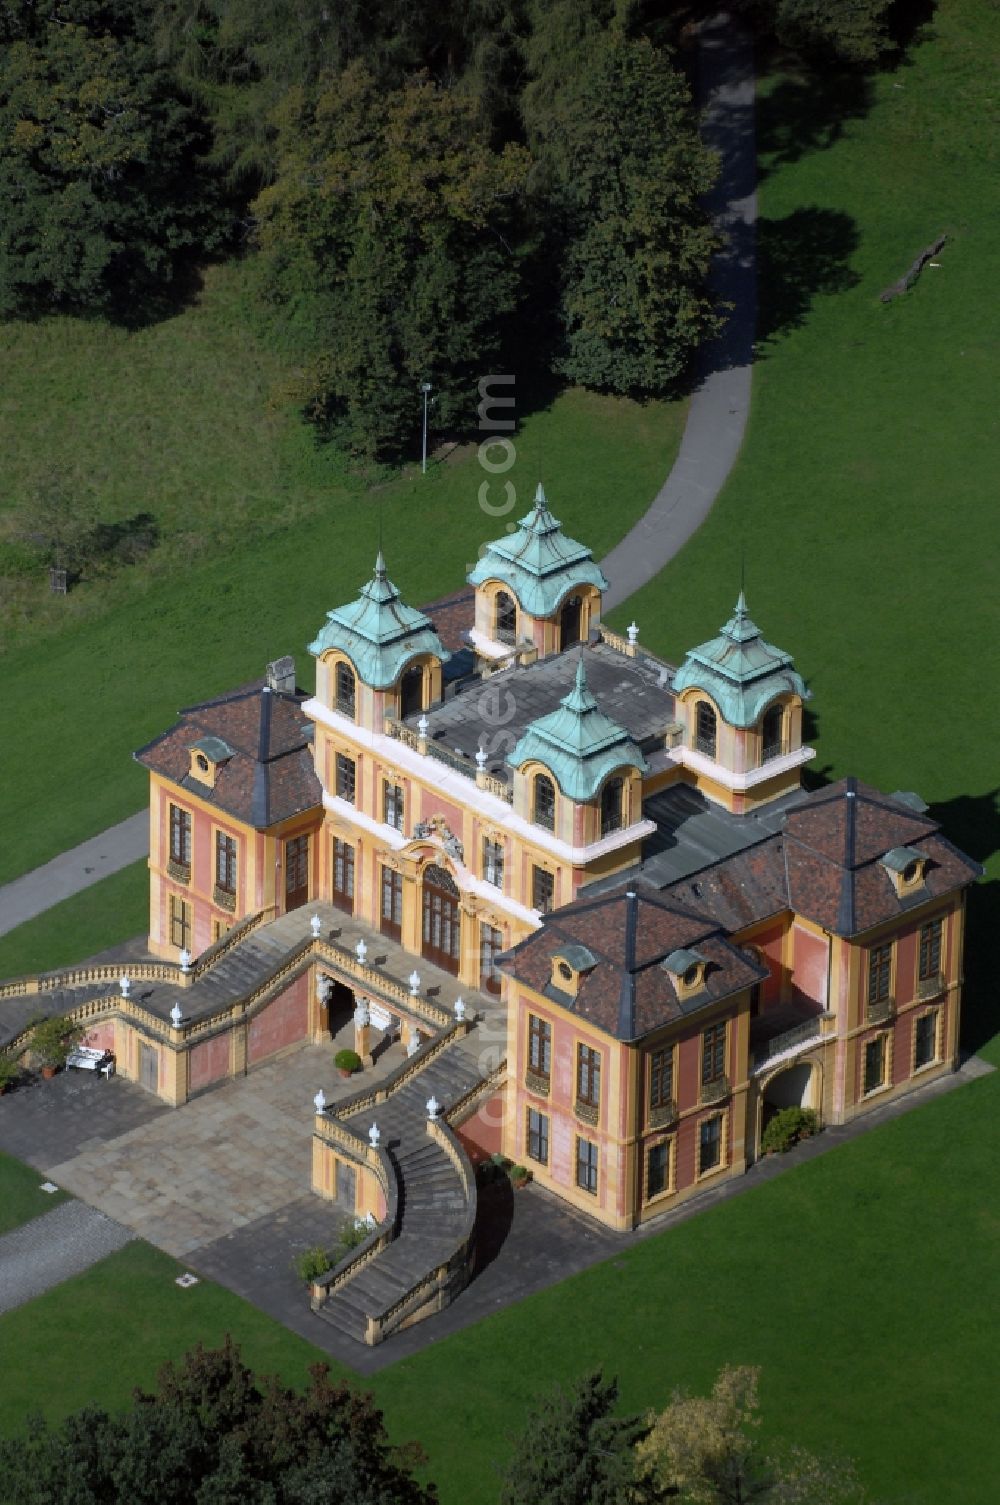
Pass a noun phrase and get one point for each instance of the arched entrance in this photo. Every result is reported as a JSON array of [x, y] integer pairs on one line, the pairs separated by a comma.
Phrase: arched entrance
[[570, 620], [798, 1085], [339, 1006], [442, 919]]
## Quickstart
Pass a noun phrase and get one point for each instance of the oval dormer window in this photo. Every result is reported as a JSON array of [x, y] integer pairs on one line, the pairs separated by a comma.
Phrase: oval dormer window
[[691, 975], [565, 971], [911, 872], [202, 762]]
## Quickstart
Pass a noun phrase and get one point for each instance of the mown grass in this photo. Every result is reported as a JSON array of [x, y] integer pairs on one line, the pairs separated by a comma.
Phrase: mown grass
[[865, 496], [20, 1197], [114, 910], [860, 1282], [263, 536]]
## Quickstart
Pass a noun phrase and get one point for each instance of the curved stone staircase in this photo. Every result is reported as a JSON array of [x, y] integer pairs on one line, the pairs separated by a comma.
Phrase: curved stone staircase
[[429, 1260]]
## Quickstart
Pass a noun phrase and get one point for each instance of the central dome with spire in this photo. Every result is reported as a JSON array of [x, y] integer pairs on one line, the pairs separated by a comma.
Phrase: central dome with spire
[[538, 562]]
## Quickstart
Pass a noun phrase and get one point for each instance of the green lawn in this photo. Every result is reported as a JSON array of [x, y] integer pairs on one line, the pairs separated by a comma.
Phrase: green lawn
[[20, 1198], [275, 538], [114, 910], [865, 496], [863, 1284]]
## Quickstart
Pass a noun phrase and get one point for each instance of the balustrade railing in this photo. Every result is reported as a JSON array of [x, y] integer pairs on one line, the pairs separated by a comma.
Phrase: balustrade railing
[[714, 1092], [799, 1034]]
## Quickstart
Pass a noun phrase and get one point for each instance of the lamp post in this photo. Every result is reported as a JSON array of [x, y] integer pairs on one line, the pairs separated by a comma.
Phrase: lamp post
[[425, 388]]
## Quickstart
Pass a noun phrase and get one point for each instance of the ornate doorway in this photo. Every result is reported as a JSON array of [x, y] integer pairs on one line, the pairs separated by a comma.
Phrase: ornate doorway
[[442, 930]]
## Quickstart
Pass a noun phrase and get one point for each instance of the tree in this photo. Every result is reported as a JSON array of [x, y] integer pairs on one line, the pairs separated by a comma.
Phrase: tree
[[386, 244], [213, 1435], [574, 1450], [702, 1451], [622, 169], [852, 31], [101, 171]]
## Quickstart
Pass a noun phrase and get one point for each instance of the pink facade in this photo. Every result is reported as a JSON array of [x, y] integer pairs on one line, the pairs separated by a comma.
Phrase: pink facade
[[810, 967], [281, 1023], [209, 1062], [482, 1135]]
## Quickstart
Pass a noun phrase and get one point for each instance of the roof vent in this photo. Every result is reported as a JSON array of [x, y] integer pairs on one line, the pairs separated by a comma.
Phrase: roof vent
[[281, 675]]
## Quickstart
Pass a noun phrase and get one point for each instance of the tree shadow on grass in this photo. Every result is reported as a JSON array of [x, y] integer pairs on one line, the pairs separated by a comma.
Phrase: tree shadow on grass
[[805, 254], [972, 822], [807, 113]]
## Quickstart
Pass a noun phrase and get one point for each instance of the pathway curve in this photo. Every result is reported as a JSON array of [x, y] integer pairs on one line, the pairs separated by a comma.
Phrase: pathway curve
[[712, 438], [720, 404], [51, 1248]]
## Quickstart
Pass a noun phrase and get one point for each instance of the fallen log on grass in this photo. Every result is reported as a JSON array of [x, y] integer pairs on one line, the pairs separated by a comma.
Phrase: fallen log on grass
[[909, 278]]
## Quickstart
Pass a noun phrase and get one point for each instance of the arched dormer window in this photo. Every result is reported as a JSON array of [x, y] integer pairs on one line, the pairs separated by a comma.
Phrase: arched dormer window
[[347, 691], [705, 729], [543, 804], [771, 730], [570, 622], [612, 815], [505, 617], [411, 692]]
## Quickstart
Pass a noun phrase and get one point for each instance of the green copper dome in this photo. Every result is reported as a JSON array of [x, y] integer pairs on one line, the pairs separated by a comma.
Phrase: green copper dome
[[538, 562], [741, 672], [378, 633], [578, 744]]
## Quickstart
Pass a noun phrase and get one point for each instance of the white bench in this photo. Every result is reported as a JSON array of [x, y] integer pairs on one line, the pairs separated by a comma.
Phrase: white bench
[[89, 1058]]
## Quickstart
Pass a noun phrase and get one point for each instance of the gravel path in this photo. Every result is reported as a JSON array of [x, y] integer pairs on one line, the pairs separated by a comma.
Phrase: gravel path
[[51, 1248]]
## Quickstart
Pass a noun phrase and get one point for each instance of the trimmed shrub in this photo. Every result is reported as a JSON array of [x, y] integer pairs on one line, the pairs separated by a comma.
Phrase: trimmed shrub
[[53, 1039], [347, 1060], [787, 1127]]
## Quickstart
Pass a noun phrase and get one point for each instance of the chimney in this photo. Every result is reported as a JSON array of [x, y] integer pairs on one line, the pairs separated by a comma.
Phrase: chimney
[[281, 675]]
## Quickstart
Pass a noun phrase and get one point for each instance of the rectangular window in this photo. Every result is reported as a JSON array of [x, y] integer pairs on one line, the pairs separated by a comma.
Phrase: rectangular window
[[180, 836], [588, 1076], [490, 947], [875, 1059], [930, 951], [661, 1078], [658, 1168], [493, 862], [346, 777], [709, 1144], [925, 1041], [392, 805], [180, 923], [539, 1045], [343, 875], [391, 922], [713, 1054], [538, 1137], [543, 888], [225, 862], [879, 973], [586, 1165]]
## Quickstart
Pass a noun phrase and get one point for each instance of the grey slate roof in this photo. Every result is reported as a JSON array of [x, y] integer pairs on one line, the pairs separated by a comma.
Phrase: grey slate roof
[[633, 692]]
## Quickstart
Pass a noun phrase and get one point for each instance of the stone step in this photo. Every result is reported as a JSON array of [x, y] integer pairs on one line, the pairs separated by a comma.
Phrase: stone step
[[344, 1314]]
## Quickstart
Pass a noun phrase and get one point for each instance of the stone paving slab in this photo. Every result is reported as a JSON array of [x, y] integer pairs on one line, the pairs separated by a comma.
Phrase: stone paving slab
[[51, 1248]]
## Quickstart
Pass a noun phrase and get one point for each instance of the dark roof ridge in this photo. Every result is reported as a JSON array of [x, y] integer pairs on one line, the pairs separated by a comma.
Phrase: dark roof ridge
[[653, 897], [626, 999]]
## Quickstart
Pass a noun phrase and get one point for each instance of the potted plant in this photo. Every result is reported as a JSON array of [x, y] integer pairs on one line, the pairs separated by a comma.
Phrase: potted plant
[[519, 1176], [52, 1040], [347, 1062], [8, 1073]]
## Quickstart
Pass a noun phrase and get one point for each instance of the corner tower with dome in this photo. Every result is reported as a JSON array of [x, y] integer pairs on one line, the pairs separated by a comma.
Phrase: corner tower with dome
[[500, 812]]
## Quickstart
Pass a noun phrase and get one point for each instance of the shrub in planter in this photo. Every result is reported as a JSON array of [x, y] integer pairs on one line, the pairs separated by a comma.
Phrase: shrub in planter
[[786, 1128], [311, 1263], [347, 1061], [8, 1072], [53, 1039], [520, 1175]]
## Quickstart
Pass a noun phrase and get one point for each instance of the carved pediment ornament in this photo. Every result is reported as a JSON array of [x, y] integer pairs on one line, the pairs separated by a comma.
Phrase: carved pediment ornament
[[437, 827]]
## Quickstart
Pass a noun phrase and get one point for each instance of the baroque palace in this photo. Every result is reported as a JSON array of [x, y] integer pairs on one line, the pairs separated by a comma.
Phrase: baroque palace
[[501, 835]]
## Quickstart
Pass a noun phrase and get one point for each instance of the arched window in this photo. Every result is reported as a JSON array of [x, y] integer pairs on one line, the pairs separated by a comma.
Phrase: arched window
[[770, 733], [611, 806], [346, 691], [505, 608], [411, 693], [570, 619], [544, 804], [706, 727]]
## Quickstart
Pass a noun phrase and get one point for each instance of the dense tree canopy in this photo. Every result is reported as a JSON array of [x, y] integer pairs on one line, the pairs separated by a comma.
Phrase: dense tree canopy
[[575, 1450], [99, 164], [213, 1435]]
